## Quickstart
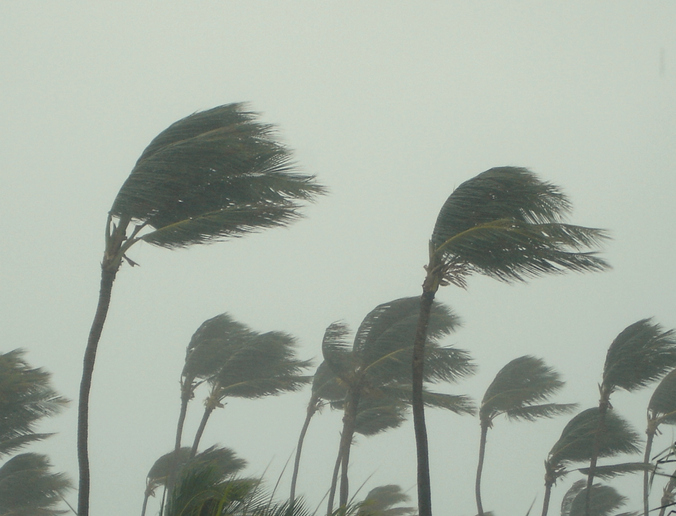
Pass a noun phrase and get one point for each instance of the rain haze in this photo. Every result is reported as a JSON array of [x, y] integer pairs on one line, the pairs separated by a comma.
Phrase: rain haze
[[391, 105]]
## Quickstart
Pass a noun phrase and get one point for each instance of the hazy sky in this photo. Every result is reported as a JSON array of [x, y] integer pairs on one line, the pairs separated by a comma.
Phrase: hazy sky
[[391, 104]]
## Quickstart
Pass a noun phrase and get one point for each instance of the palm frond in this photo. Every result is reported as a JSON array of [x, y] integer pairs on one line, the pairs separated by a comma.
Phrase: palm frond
[[336, 351], [326, 385], [642, 353], [384, 501], [377, 415], [613, 470], [546, 410], [507, 224], [576, 443], [662, 404], [458, 403], [603, 500], [518, 390], [213, 175]]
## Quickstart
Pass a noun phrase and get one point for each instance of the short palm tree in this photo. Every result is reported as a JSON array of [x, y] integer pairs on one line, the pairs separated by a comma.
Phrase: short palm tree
[[378, 364], [385, 501], [251, 365], [579, 440], [26, 396], [28, 487], [641, 354], [214, 175], [507, 224], [518, 391], [604, 500]]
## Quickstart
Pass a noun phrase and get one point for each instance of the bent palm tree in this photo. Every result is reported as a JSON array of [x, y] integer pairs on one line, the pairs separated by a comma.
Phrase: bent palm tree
[[641, 354], [213, 175], [604, 500], [378, 364], [661, 410], [518, 391], [384, 501], [26, 397], [578, 441], [506, 224]]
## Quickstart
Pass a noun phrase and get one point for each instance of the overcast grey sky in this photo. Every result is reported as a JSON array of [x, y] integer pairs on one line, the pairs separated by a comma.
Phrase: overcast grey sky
[[391, 105]]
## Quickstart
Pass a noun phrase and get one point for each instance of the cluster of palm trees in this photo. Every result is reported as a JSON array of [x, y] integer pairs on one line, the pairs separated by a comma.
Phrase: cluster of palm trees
[[220, 174]]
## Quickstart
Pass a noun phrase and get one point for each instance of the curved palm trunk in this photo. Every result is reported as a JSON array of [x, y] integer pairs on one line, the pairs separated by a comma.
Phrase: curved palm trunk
[[334, 483], [186, 394], [198, 436], [646, 460], [479, 468], [311, 410], [550, 478], [349, 425], [145, 504], [107, 279], [604, 403], [430, 287]]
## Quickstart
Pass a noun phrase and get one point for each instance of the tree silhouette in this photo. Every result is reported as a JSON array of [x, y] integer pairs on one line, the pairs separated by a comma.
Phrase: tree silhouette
[[507, 224], [214, 175]]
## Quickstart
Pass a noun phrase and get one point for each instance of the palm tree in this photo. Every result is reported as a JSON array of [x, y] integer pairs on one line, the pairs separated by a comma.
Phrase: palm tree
[[604, 500], [26, 397], [507, 224], [384, 501], [214, 175], [518, 391], [378, 364], [661, 410], [578, 441], [641, 354], [252, 365], [28, 487]]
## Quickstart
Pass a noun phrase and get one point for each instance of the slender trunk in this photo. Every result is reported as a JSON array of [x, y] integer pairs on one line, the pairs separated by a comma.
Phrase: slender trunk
[[550, 478], [334, 483], [186, 394], [430, 287], [145, 503], [198, 436], [107, 279], [646, 475], [480, 466], [604, 403], [668, 495], [545, 502], [311, 410], [349, 424]]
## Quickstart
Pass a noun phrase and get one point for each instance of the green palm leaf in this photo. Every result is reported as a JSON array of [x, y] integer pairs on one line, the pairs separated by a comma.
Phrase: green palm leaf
[[384, 501], [603, 500], [642, 353], [662, 405]]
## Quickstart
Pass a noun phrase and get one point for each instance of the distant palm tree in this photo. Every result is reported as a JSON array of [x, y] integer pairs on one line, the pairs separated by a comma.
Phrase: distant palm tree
[[518, 391], [26, 396], [384, 501], [578, 441], [507, 224], [378, 364], [641, 354], [214, 175], [29, 488], [604, 500], [661, 410], [251, 365]]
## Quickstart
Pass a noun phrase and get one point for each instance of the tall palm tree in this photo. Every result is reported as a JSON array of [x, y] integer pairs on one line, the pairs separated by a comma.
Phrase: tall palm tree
[[252, 365], [661, 410], [507, 224], [518, 391], [641, 354], [28, 487], [26, 396], [379, 359], [604, 500], [578, 441], [214, 175]]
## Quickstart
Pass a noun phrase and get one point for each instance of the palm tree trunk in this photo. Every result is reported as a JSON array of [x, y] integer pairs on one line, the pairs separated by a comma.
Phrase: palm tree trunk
[[430, 287], [145, 503], [334, 482], [186, 392], [349, 424], [200, 431], [604, 403], [107, 279], [545, 502], [479, 468], [646, 460], [311, 410], [550, 478]]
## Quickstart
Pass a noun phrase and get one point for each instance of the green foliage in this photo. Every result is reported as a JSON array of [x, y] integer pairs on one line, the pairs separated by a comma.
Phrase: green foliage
[[212, 175], [384, 501], [29, 488], [507, 224], [603, 500], [662, 405], [642, 353], [26, 397]]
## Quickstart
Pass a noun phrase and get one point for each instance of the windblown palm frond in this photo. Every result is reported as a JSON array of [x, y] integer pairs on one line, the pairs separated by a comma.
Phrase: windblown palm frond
[[642, 353], [26, 396], [28, 487], [662, 405], [384, 501], [603, 500], [610, 471]]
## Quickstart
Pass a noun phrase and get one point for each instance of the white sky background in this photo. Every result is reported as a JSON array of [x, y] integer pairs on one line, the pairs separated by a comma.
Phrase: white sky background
[[391, 105]]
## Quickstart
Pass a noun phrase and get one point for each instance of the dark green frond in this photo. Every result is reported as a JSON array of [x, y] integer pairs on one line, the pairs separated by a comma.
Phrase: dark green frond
[[337, 352], [576, 443], [376, 415], [613, 470], [326, 385], [662, 405], [603, 500], [26, 396], [460, 404], [522, 383], [384, 501], [28, 487], [642, 353], [157, 476], [546, 410], [447, 364], [212, 175]]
